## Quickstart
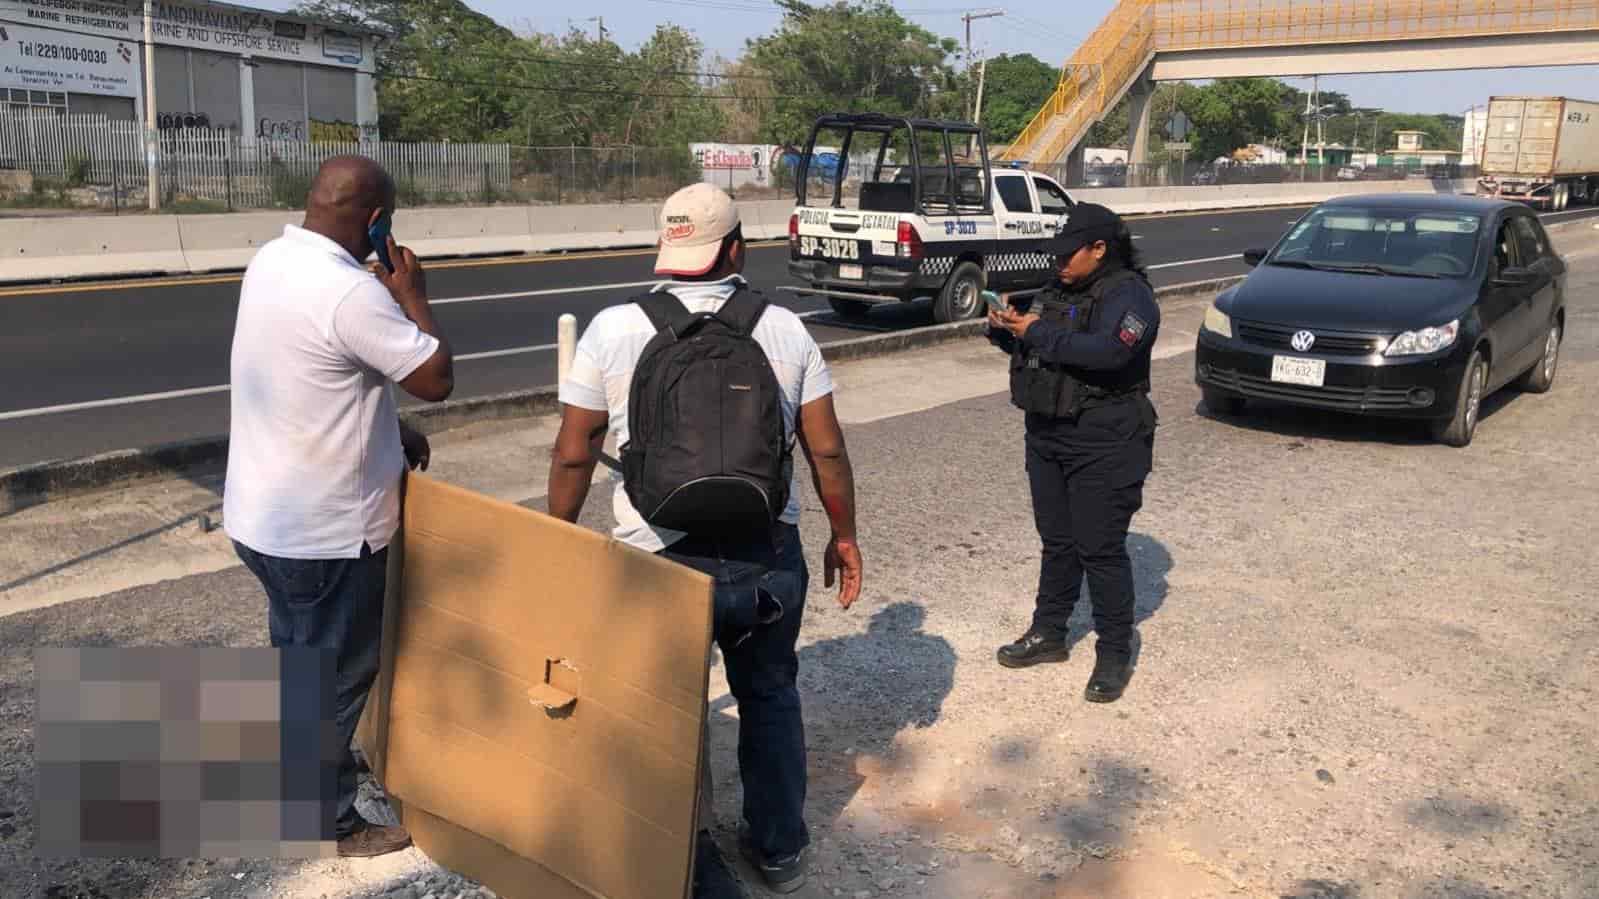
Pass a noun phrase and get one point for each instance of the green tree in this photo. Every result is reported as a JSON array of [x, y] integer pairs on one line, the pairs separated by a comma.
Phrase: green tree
[[1014, 89], [440, 75], [861, 57], [1234, 113]]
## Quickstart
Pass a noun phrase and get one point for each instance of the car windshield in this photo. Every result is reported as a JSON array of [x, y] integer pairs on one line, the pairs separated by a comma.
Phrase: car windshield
[[1382, 242]]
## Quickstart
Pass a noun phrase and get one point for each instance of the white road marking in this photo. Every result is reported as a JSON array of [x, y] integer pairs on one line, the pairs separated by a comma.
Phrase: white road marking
[[550, 292], [116, 401], [1195, 261], [465, 357]]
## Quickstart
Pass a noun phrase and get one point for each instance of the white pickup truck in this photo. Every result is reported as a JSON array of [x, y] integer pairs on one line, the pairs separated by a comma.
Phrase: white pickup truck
[[881, 225]]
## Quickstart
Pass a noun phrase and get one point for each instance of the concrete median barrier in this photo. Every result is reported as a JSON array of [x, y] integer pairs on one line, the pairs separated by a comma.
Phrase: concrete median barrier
[[555, 228], [219, 243], [43, 249], [486, 230], [40, 249]]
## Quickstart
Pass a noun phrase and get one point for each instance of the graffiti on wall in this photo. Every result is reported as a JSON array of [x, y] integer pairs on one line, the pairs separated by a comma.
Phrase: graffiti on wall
[[166, 121], [280, 129], [334, 132]]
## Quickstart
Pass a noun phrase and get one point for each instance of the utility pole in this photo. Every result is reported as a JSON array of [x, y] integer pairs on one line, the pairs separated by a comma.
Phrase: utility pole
[[600, 21], [969, 18], [982, 72], [152, 138]]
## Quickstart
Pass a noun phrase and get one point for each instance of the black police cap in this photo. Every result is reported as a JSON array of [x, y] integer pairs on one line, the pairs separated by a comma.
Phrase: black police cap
[[1086, 224]]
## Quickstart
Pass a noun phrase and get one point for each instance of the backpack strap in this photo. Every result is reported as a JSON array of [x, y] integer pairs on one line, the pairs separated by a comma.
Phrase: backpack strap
[[666, 312], [743, 310]]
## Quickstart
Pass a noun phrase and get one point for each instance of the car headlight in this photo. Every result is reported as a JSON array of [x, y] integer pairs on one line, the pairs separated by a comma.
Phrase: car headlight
[[1424, 340], [1217, 322]]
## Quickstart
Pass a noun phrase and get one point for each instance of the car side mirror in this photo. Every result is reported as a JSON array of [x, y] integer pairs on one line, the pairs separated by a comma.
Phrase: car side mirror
[[1253, 258], [1513, 277]]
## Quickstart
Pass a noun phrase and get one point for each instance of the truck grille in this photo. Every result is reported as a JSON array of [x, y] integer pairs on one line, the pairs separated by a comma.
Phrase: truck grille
[[1328, 343]]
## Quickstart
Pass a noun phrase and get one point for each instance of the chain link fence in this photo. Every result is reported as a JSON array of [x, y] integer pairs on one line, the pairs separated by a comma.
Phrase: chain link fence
[[1199, 174]]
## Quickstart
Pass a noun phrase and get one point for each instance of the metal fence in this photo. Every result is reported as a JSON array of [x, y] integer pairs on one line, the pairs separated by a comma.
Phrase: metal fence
[[93, 160], [1201, 174]]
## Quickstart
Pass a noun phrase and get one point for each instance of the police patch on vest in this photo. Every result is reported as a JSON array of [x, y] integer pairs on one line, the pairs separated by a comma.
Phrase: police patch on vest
[[1132, 329]]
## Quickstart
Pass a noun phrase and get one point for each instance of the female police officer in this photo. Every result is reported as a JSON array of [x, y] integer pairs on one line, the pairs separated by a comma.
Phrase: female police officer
[[1080, 359]]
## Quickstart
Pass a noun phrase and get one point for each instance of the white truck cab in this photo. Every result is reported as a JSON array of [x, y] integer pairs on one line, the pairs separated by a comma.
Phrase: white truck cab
[[878, 222]]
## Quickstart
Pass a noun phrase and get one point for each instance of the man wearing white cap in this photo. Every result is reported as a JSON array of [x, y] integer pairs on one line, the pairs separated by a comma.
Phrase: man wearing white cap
[[702, 252]]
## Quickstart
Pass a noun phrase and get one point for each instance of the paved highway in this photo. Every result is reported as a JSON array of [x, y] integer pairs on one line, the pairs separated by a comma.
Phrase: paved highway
[[106, 366]]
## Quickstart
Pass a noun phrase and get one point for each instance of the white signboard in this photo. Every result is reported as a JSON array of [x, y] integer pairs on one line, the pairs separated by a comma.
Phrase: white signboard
[[44, 60], [194, 24], [736, 165]]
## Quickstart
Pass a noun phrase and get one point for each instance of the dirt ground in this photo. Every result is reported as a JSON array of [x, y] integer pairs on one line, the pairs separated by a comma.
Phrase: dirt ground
[[1369, 667]]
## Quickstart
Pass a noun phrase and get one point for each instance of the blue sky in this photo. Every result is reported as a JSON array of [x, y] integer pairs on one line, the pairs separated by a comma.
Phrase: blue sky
[[1049, 29]]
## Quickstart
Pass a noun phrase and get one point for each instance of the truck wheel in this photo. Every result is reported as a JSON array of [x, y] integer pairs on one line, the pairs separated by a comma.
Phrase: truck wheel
[[1562, 196], [961, 297], [854, 309]]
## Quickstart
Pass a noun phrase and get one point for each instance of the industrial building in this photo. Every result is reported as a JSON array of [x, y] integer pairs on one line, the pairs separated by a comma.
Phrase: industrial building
[[257, 73]]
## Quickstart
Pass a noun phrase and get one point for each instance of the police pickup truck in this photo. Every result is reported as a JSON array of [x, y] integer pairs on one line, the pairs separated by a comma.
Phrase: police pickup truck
[[912, 209]]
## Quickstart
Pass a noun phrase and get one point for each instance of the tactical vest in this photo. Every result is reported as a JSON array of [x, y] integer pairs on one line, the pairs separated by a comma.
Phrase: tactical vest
[[1063, 391]]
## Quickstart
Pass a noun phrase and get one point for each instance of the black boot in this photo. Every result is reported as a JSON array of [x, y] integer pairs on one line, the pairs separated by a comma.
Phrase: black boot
[[1033, 648], [1112, 671]]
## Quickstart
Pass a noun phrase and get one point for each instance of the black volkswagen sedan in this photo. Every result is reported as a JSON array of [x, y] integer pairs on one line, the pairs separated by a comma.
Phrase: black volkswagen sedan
[[1407, 305]]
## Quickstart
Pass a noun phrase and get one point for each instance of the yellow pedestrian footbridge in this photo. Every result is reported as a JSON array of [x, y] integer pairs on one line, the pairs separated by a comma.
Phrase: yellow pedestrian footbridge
[[1143, 41]]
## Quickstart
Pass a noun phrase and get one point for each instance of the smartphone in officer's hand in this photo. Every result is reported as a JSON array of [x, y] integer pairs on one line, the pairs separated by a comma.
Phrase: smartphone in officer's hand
[[995, 303]]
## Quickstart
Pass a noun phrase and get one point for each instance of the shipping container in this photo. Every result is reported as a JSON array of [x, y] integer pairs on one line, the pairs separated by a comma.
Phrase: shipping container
[[1541, 150]]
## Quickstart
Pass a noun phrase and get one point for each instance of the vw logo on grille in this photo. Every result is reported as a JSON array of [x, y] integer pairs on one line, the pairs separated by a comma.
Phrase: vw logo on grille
[[1302, 341]]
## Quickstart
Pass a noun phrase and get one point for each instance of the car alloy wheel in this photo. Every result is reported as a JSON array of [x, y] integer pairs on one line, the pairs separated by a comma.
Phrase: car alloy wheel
[[1474, 397], [1551, 354]]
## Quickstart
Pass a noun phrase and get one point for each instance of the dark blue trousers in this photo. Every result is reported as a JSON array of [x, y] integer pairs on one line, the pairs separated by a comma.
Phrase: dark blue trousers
[[334, 605], [759, 601]]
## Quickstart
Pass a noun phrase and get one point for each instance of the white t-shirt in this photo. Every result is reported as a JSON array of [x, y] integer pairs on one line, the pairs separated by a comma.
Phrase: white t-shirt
[[314, 455], [602, 373]]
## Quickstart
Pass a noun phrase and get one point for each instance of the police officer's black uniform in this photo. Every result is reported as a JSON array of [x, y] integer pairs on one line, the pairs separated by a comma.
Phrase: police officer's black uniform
[[1081, 373]]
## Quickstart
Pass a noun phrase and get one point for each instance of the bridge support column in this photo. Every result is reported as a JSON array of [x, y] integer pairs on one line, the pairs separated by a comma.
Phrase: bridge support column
[[1140, 110]]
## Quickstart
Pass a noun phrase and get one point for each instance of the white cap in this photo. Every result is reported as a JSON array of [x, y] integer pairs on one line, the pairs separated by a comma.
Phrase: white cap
[[693, 223]]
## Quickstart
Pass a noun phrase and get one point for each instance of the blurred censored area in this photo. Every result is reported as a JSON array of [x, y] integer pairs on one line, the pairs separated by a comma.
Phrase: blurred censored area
[[186, 752]]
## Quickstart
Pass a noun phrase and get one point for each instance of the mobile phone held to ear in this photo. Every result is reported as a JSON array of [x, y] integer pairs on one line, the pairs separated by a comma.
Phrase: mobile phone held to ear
[[994, 302], [379, 233]]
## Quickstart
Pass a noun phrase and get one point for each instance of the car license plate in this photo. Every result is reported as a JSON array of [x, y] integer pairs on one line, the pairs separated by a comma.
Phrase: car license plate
[[850, 272], [1290, 370]]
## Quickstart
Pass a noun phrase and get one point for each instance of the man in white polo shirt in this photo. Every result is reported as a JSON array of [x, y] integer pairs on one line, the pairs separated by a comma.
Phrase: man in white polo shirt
[[317, 453], [702, 251]]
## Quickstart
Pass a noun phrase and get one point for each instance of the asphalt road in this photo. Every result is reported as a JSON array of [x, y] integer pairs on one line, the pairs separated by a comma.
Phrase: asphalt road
[[150, 357], [1368, 664]]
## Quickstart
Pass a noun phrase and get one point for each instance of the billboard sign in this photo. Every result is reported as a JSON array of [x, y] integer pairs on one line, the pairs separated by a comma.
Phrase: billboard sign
[[45, 60]]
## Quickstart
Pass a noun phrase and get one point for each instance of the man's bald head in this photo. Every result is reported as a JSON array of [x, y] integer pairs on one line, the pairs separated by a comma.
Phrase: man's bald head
[[346, 193], [346, 184]]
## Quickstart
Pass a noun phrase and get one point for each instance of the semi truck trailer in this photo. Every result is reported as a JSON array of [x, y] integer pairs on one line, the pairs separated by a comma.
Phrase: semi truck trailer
[[1543, 151]]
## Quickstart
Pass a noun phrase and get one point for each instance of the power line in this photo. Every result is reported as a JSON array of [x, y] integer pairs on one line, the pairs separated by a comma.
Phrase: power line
[[723, 5], [582, 64], [588, 92]]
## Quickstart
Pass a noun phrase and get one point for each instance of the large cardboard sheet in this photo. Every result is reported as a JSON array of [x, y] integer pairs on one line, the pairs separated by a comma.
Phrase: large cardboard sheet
[[539, 715]]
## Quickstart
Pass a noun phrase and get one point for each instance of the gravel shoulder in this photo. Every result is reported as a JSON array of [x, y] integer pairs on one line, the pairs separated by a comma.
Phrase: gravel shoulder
[[1369, 667]]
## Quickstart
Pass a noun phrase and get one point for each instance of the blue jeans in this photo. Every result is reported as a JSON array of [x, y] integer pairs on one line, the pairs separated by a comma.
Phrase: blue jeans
[[759, 601], [334, 605]]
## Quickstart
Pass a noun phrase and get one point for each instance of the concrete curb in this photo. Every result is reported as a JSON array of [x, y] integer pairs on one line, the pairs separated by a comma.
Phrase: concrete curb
[[33, 485]]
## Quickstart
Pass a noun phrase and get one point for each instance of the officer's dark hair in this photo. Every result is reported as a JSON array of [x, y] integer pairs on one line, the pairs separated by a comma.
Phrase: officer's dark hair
[[1123, 248]]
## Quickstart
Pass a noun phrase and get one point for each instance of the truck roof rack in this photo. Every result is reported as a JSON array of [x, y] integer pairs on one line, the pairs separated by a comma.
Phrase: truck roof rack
[[878, 120]]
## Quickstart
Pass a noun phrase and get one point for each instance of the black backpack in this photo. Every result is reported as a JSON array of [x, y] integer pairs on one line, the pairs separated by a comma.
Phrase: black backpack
[[707, 452]]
